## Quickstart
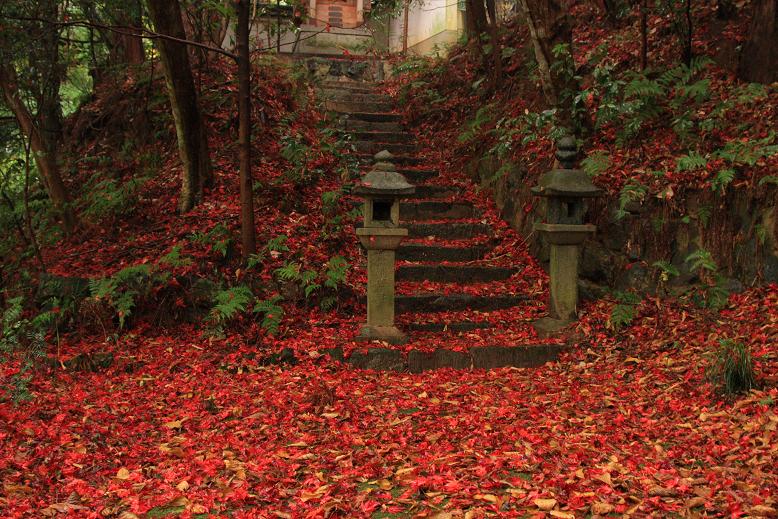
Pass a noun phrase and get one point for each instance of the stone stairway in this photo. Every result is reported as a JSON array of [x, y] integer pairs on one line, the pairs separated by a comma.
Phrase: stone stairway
[[460, 295]]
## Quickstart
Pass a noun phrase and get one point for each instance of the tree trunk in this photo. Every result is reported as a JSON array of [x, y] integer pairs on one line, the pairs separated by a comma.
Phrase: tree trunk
[[44, 153], [476, 18], [494, 37], [759, 61], [190, 129], [643, 34], [549, 27], [247, 233]]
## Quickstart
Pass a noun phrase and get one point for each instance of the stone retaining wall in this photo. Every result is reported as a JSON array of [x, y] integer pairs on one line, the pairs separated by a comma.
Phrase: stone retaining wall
[[741, 232]]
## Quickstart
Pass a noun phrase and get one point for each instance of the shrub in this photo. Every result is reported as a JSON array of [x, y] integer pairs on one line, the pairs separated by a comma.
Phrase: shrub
[[731, 369]]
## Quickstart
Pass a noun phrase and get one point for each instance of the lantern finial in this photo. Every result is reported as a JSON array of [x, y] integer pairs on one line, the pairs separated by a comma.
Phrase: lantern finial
[[567, 151]]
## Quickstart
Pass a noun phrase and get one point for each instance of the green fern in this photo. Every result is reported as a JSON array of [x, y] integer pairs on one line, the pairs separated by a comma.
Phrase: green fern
[[596, 163], [337, 267], [624, 311], [174, 259], [290, 271], [693, 161], [769, 179], [272, 313], [230, 303], [278, 244], [701, 260], [722, 179], [667, 270], [631, 192]]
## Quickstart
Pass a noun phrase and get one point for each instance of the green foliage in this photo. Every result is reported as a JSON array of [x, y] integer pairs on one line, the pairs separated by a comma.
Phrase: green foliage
[[290, 271], [472, 131], [124, 289], [174, 259], [109, 199], [624, 311], [218, 240], [713, 294], [691, 162], [731, 369], [631, 192], [769, 179], [644, 98], [748, 152], [272, 313], [722, 179], [228, 304], [27, 337], [666, 270], [596, 163]]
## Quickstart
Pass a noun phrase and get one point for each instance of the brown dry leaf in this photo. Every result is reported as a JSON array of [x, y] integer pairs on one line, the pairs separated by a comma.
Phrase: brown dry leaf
[[695, 502], [662, 492], [183, 486], [763, 511], [602, 508], [385, 484], [605, 478], [198, 509], [123, 474], [175, 424], [317, 494], [16, 490], [490, 498], [545, 504], [562, 515], [128, 515]]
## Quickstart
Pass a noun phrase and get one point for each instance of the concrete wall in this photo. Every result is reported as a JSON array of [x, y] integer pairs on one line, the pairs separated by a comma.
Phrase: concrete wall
[[435, 21]]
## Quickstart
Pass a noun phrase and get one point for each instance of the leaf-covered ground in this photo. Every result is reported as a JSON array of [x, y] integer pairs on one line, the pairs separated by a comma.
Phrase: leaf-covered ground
[[625, 425], [184, 422]]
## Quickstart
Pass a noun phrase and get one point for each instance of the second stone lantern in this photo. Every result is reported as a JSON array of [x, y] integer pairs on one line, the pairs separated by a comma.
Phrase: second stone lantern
[[565, 189], [382, 188]]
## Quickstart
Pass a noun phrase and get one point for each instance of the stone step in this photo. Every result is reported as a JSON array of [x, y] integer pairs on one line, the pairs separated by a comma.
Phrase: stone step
[[358, 86], [436, 210], [398, 160], [370, 116], [356, 97], [348, 106], [352, 125], [379, 136], [433, 303], [482, 357], [417, 176], [451, 231], [453, 273], [465, 326], [392, 147], [421, 252], [427, 191]]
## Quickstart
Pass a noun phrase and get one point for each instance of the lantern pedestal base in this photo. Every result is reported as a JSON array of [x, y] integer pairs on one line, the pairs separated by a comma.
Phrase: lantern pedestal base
[[548, 327], [390, 334]]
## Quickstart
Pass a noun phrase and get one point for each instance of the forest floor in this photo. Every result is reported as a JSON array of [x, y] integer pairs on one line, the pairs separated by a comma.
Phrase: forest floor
[[186, 422]]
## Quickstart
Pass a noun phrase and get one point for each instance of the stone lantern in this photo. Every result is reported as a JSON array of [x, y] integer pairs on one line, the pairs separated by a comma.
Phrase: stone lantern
[[565, 190], [382, 189]]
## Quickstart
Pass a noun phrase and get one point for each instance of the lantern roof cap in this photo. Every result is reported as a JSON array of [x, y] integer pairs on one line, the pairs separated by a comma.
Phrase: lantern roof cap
[[566, 183], [384, 179]]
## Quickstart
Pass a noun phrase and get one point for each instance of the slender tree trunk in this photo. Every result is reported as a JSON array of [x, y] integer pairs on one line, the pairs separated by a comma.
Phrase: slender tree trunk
[[688, 49], [759, 61], [27, 212], [494, 37], [45, 160], [549, 27], [476, 15], [247, 232], [643, 34], [190, 129]]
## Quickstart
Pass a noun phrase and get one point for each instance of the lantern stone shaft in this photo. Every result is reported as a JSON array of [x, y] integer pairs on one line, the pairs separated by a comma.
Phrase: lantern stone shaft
[[565, 189], [382, 189]]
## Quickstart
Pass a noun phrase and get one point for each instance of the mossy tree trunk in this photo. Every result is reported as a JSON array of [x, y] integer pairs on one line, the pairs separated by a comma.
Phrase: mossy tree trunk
[[759, 62], [42, 149], [248, 236], [190, 128]]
